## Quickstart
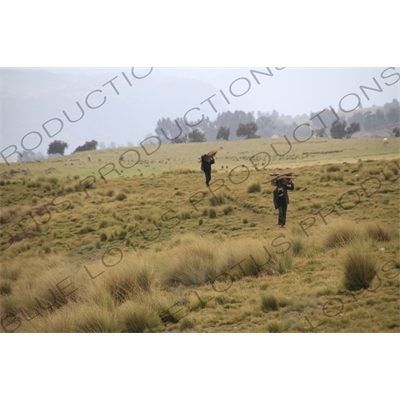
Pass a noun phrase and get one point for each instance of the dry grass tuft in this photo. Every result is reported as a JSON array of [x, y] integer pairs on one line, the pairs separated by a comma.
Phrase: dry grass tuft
[[95, 319], [298, 243], [192, 263], [254, 188], [218, 199], [138, 317], [340, 233], [359, 267], [120, 196], [128, 279], [5, 287], [333, 168], [378, 232], [269, 303]]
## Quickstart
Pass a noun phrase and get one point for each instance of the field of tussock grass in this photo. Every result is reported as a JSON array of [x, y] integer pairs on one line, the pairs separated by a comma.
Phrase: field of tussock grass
[[158, 252]]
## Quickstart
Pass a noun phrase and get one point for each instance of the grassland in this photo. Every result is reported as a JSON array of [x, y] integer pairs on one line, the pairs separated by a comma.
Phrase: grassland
[[141, 245]]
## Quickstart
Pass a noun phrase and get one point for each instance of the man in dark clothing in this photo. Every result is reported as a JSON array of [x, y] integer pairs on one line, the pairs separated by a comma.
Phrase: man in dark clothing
[[206, 162], [281, 200]]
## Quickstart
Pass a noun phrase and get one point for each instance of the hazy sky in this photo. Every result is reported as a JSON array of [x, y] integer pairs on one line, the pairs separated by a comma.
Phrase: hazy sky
[[290, 91], [126, 108]]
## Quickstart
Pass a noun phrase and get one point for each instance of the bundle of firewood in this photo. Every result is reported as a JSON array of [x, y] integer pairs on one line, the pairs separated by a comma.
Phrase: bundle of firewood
[[286, 178], [212, 153]]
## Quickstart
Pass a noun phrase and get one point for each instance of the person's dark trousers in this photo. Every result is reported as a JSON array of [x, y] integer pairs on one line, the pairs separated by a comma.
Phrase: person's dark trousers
[[282, 214], [208, 176]]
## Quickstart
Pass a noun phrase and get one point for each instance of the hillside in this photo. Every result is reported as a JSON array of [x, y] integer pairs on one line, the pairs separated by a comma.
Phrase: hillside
[[141, 245]]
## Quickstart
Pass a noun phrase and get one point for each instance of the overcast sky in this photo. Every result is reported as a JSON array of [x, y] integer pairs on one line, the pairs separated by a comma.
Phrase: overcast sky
[[294, 91], [134, 101]]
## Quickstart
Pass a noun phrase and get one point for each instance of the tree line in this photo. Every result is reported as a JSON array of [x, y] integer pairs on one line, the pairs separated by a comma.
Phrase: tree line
[[387, 116], [248, 126], [59, 147]]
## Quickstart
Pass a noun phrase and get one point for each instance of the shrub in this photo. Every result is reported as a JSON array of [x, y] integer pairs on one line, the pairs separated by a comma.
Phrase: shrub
[[253, 188], [245, 220], [359, 267], [201, 221]]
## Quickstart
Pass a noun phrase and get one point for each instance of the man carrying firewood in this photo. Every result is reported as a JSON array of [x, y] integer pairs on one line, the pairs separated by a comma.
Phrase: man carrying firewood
[[206, 162], [281, 199]]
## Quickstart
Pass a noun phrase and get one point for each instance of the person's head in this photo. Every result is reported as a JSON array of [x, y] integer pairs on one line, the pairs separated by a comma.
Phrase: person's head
[[279, 183]]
